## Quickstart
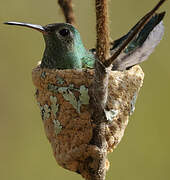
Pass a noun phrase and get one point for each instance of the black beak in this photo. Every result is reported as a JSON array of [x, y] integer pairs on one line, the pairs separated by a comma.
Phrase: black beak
[[33, 26]]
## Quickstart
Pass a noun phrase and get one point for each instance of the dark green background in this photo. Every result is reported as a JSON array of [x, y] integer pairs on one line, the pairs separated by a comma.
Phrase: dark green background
[[25, 154]]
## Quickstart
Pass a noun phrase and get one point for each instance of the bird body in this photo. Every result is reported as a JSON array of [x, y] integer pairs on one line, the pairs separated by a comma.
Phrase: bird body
[[64, 48]]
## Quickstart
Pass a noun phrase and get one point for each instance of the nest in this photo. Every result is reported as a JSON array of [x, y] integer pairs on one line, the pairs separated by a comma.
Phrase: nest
[[63, 98]]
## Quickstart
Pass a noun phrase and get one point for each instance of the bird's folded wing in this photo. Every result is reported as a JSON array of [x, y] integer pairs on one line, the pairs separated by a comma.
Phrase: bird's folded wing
[[142, 45]]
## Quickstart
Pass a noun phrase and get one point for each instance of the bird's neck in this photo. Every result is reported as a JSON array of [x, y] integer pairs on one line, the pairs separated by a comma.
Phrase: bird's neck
[[58, 57]]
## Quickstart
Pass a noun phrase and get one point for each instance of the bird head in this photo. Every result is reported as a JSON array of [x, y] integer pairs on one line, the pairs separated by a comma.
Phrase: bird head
[[62, 41]]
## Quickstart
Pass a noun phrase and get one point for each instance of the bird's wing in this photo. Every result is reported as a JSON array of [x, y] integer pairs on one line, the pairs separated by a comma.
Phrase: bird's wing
[[141, 46]]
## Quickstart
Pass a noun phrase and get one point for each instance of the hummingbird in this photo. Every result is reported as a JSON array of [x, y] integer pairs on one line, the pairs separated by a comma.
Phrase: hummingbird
[[64, 48]]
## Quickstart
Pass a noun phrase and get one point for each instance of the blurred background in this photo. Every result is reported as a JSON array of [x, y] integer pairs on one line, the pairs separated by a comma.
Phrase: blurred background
[[25, 153]]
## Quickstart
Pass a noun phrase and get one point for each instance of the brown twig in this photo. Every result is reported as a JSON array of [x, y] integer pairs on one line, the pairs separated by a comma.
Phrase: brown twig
[[102, 28], [67, 8], [103, 53], [99, 92], [141, 24]]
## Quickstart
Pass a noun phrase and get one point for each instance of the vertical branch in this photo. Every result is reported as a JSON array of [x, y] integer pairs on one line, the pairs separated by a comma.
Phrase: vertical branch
[[67, 8], [99, 92], [100, 84], [103, 53], [102, 28]]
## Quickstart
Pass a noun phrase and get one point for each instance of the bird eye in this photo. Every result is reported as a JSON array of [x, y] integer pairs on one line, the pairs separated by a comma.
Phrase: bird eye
[[64, 32]]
